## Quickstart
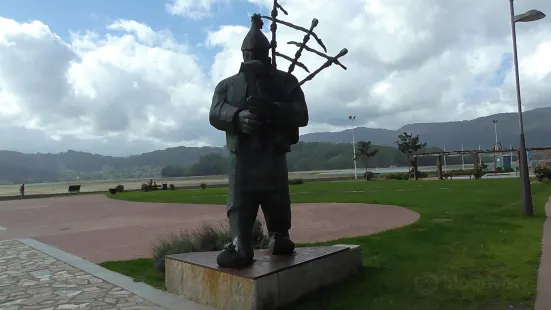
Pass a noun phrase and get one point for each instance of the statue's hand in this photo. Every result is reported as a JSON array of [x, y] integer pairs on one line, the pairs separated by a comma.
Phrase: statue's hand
[[248, 122], [262, 107]]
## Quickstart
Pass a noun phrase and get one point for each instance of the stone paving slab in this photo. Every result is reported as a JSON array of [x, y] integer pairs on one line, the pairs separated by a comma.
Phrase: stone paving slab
[[33, 279]]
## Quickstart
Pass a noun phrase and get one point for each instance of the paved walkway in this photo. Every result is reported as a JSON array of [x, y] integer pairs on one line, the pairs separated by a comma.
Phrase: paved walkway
[[36, 276], [99, 229], [543, 297], [42, 272]]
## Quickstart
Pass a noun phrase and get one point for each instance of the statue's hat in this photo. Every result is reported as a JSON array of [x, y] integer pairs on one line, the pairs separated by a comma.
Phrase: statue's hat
[[255, 39]]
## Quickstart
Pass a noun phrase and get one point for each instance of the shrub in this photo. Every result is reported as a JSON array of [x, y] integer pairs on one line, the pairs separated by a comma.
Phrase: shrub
[[113, 191], [208, 238], [539, 171], [260, 239], [205, 238], [483, 165], [120, 188], [203, 185], [405, 175], [397, 176], [172, 244], [420, 174], [172, 187], [509, 169], [368, 175], [459, 172], [295, 182], [542, 173], [478, 173]]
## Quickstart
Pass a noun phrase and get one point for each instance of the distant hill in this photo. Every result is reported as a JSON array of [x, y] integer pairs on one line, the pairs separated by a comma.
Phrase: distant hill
[[19, 167], [310, 156], [470, 133], [376, 136]]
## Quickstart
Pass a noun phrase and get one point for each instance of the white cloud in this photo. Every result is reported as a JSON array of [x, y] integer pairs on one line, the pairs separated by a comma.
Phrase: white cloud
[[194, 9], [136, 88], [135, 83], [426, 60]]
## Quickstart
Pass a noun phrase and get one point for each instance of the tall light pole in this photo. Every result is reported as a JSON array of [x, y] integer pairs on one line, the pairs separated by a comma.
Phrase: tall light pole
[[529, 16], [462, 158], [495, 130], [353, 118], [445, 165], [496, 145]]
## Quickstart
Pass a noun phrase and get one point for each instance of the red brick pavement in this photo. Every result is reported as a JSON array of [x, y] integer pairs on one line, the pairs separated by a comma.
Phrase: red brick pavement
[[98, 228]]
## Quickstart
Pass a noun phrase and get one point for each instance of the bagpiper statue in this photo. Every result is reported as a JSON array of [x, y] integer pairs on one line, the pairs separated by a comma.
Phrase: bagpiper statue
[[261, 110]]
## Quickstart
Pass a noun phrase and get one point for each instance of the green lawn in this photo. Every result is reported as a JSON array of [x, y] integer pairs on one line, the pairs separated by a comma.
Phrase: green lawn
[[471, 249]]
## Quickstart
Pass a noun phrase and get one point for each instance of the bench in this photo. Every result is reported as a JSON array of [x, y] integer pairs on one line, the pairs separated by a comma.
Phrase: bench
[[74, 189]]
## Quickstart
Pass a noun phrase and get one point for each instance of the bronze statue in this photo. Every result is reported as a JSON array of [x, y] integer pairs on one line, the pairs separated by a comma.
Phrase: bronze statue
[[261, 110]]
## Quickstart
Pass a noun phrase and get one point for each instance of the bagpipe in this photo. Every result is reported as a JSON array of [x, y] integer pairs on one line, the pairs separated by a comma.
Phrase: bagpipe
[[309, 33], [262, 85]]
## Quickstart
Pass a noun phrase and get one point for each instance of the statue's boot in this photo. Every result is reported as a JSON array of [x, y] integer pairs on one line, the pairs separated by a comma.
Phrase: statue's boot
[[281, 244], [236, 254]]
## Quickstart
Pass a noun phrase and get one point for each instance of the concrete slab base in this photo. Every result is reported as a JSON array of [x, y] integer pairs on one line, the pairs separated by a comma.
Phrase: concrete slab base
[[270, 283]]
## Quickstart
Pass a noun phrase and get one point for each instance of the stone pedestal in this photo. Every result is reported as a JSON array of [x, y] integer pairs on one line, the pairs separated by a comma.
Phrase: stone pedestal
[[271, 282]]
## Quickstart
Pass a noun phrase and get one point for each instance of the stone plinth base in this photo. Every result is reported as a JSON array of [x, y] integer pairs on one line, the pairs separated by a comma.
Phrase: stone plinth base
[[271, 282]]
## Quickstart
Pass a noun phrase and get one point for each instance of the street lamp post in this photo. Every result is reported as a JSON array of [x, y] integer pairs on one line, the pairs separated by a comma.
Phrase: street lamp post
[[529, 16], [495, 130], [353, 118], [445, 165], [462, 158], [496, 146]]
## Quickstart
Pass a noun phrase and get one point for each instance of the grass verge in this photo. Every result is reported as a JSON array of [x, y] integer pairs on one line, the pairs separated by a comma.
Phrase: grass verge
[[471, 249], [141, 270]]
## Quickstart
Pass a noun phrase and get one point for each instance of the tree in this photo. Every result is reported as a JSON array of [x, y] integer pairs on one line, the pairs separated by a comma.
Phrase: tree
[[172, 171], [365, 150], [409, 145], [210, 164]]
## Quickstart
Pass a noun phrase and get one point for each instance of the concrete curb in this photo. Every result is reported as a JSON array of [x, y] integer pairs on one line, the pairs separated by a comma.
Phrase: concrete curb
[[543, 295]]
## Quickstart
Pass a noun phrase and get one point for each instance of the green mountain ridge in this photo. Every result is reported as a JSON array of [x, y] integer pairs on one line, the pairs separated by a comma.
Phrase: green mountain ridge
[[453, 135], [316, 151], [16, 167]]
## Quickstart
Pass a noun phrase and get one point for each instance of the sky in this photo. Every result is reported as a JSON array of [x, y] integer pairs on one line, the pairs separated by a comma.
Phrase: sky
[[126, 77]]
